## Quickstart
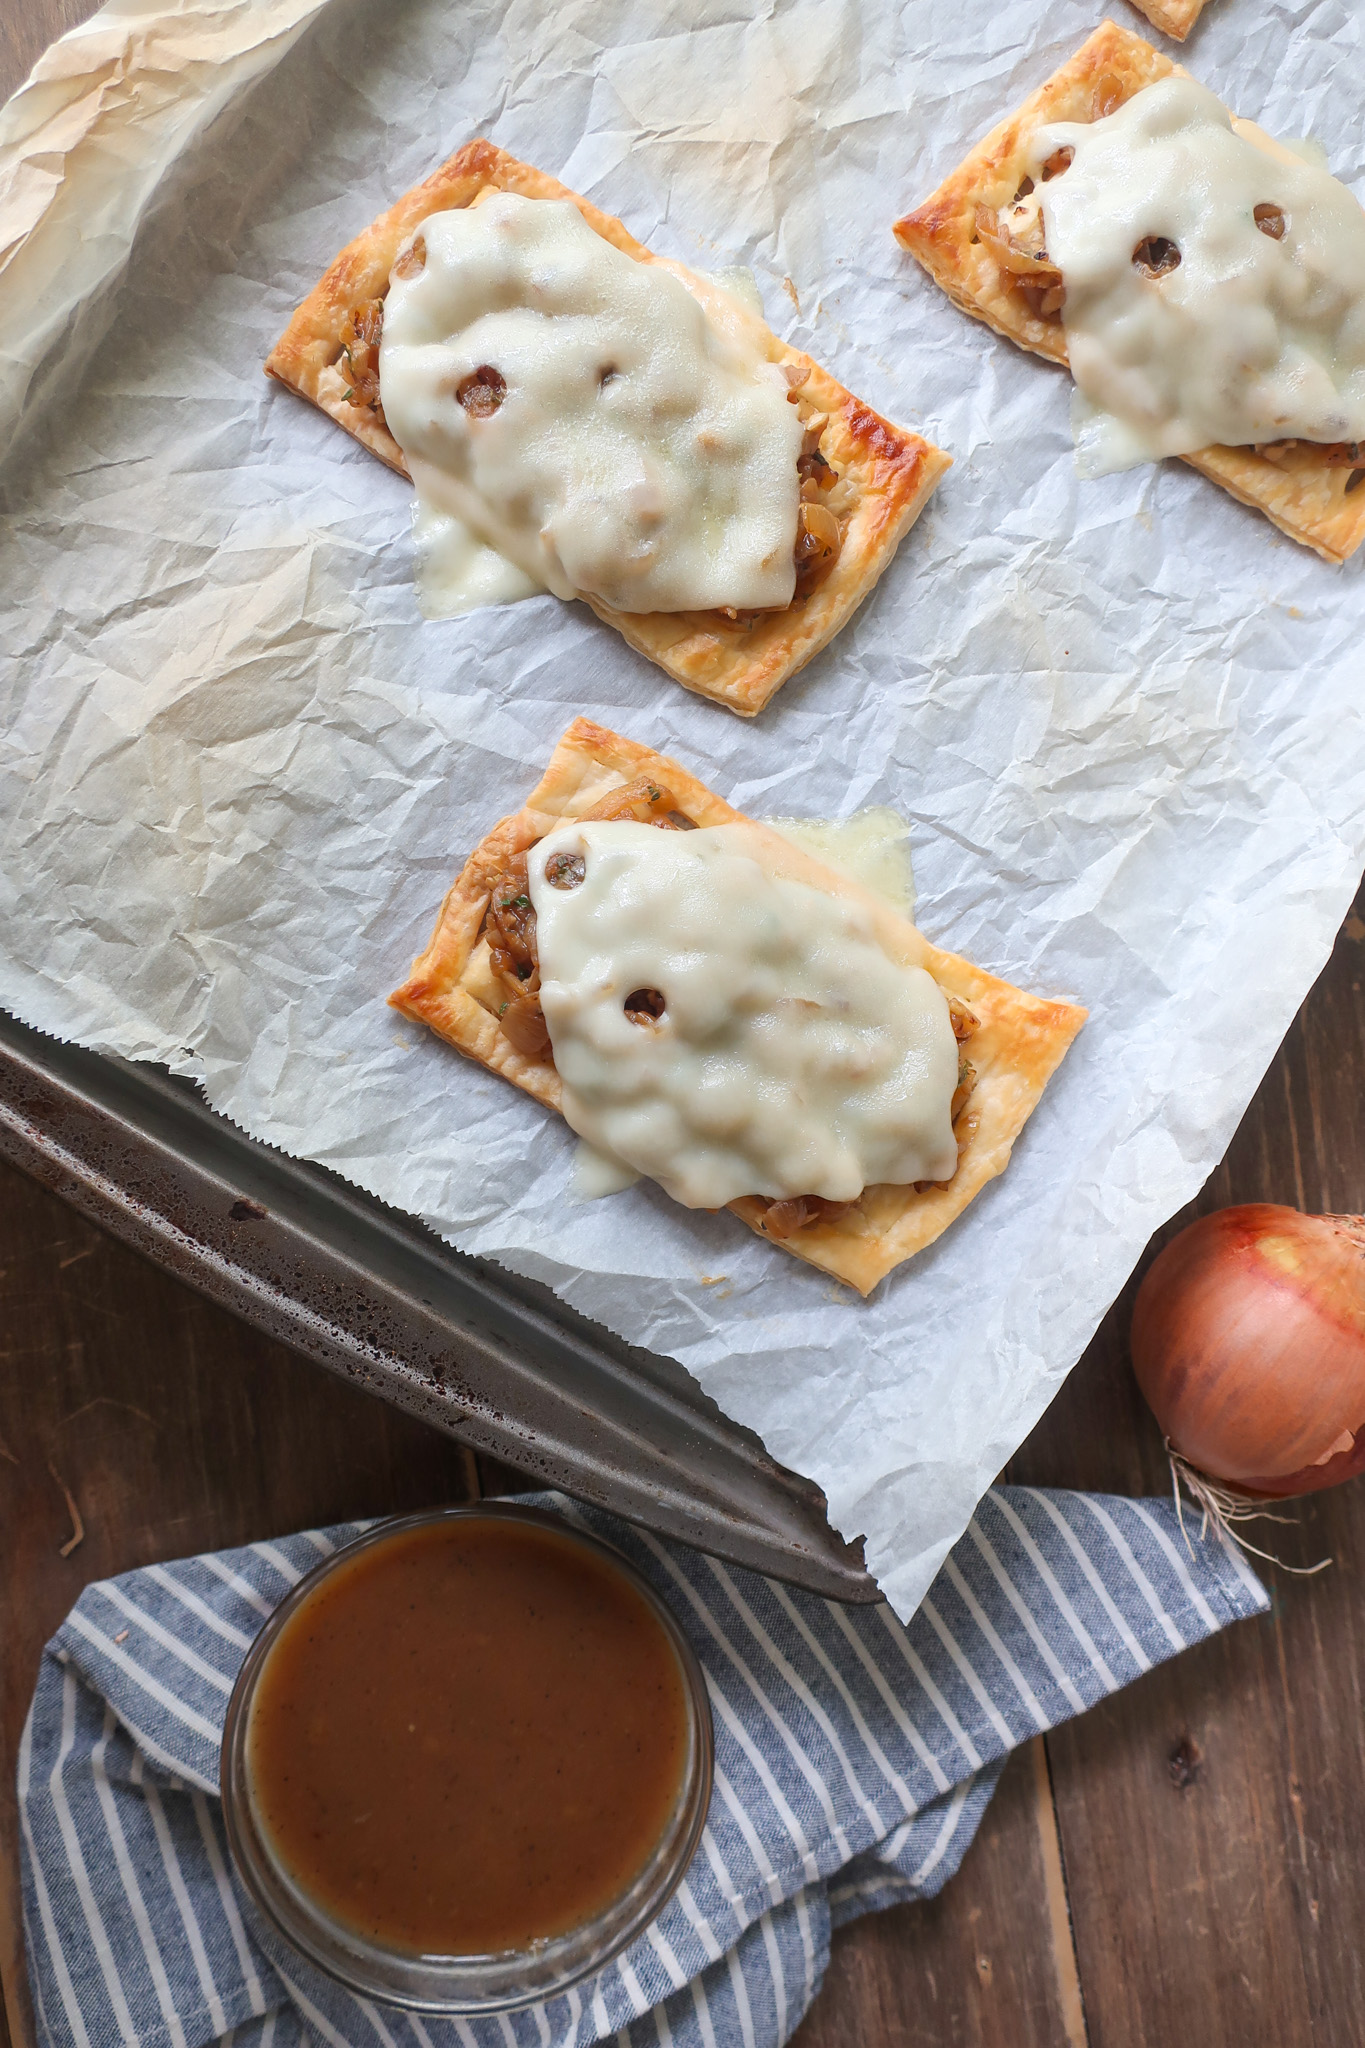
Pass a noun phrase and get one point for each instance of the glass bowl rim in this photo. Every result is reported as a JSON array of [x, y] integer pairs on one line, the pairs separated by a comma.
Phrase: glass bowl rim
[[503, 1981]]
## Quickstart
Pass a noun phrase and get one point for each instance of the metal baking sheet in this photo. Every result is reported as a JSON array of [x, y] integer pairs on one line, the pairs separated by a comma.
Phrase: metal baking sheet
[[492, 1359]]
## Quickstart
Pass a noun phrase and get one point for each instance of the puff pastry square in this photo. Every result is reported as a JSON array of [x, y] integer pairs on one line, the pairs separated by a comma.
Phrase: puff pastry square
[[1175, 18], [1303, 495], [886, 473], [1017, 1043]]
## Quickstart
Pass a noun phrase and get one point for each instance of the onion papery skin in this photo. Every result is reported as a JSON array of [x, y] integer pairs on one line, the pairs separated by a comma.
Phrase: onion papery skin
[[1249, 1343]]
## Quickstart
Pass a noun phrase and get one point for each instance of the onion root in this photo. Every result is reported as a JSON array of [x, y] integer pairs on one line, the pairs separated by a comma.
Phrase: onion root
[[1225, 1508]]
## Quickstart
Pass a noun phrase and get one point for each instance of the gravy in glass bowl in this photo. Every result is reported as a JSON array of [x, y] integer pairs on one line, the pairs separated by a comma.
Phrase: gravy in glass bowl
[[467, 1760]]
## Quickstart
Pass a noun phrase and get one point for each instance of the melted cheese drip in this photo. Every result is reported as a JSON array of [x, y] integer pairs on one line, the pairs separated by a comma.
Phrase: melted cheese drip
[[642, 454], [456, 572], [1249, 339], [871, 846], [793, 1056]]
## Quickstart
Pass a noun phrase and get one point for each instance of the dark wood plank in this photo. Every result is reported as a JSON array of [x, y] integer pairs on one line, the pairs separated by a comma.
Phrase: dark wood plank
[[25, 32], [983, 1962], [1226, 1791], [495, 1477], [175, 1428], [1209, 1815], [26, 29]]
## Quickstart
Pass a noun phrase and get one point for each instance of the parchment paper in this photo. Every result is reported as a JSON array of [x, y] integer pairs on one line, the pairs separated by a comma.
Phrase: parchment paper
[[239, 770]]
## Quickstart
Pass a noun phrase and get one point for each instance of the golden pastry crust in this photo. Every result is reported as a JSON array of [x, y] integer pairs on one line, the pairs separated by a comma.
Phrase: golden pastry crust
[[1175, 18], [886, 473], [1018, 1042], [1297, 489]]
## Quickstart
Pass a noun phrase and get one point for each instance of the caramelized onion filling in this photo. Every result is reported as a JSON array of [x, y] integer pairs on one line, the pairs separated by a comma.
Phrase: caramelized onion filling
[[481, 392], [783, 1219], [510, 928], [509, 923], [1347, 455], [413, 260], [818, 539], [1025, 266], [1156, 256], [1106, 97], [645, 1006], [361, 333], [817, 547]]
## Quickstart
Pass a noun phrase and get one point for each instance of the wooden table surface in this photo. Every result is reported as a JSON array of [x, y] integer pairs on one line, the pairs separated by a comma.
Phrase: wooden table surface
[[1182, 1865]]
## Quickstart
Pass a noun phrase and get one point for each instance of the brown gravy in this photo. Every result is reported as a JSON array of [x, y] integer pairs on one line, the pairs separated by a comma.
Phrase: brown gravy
[[470, 1738]]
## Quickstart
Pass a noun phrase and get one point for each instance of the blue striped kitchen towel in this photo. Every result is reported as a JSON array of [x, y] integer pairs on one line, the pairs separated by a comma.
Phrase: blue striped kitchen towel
[[854, 1759]]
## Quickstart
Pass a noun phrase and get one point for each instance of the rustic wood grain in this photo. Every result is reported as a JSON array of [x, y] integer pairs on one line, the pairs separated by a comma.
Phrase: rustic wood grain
[[26, 29], [1209, 1816], [176, 1428], [981, 1963]]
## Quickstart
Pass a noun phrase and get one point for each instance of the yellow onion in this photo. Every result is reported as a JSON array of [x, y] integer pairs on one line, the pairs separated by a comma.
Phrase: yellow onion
[[1249, 1344]]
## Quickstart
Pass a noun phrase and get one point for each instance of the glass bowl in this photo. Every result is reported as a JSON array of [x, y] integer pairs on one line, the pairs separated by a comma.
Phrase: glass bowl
[[462, 1984]]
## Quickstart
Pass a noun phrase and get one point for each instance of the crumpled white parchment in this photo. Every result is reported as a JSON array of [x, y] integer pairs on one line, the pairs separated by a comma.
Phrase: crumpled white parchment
[[239, 770]]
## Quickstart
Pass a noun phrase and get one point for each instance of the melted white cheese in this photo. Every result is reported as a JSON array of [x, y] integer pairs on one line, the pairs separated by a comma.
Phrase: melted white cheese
[[642, 453], [456, 572], [872, 846], [792, 1057], [739, 281], [1249, 338], [595, 1175]]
